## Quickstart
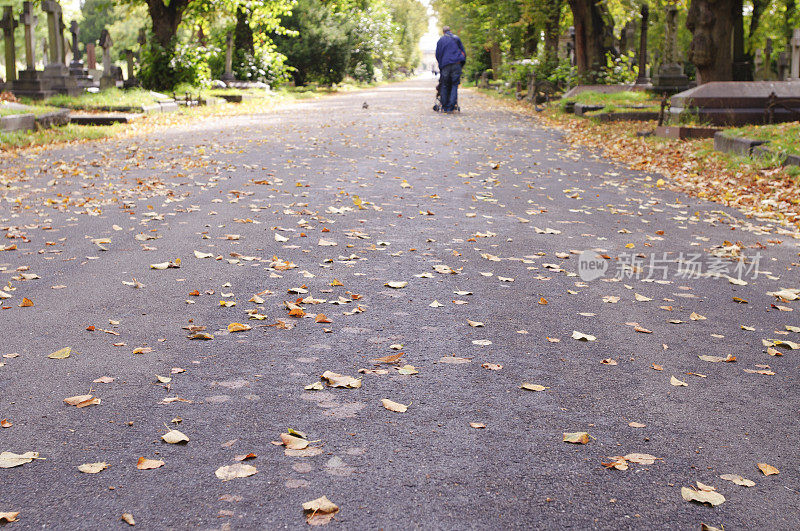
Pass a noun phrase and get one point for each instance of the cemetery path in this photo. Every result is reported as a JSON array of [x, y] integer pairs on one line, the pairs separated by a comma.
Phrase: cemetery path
[[344, 235]]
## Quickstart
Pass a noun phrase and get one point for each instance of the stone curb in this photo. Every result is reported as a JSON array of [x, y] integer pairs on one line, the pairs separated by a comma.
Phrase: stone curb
[[751, 148], [17, 122]]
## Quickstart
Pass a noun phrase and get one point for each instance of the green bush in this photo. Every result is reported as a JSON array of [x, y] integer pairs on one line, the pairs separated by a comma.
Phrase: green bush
[[162, 69]]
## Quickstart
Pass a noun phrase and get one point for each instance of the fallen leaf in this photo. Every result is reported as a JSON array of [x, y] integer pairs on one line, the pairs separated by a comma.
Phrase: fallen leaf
[[61, 354], [710, 497], [5, 423], [236, 470], [739, 480], [337, 380], [238, 327], [93, 468], [578, 437], [9, 516], [582, 337], [128, 518], [80, 401], [492, 366], [677, 383], [768, 470], [320, 511], [293, 442], [396, 284], [717, 359], [477, 425], [390, 358], [26, 303], [149, 464], [10, 459], [394, 406], [636, 425], [532, 387], [175, 437]]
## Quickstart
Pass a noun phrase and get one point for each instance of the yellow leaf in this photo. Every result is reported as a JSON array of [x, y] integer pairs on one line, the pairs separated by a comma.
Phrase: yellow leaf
[[236, 470], [768, 470], [578, 437], [677, 383], [238, 327], [533, 387], [26, 303], [148, 464], [93, 468], [61, 354], [394, 406]]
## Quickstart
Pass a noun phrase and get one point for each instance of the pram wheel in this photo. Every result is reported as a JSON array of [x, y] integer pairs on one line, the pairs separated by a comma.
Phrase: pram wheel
[[436, 107]]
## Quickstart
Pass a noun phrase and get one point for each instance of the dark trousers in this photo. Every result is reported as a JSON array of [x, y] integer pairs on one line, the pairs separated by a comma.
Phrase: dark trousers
[[450, 78]]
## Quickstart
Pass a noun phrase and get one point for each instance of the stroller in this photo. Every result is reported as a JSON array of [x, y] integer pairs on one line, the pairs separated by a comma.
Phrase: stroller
[[437, 103]]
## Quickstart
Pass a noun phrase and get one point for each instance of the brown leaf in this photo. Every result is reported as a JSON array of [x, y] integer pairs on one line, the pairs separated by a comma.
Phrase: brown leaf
[[337, 380], [80, 401], [128, 519], [320, 511], [149, 464], [9, 516], [578, 437], [768, 470], [26, 303], [93, 468], [238, 327], [5, 423], [391, 358], [321, 318]]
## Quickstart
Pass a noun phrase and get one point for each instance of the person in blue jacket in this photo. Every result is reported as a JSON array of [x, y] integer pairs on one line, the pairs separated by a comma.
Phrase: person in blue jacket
[[451, 56]]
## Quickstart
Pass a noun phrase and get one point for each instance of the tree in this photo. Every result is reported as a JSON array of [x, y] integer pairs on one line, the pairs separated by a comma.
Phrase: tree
[[711, 23], [590, 37]]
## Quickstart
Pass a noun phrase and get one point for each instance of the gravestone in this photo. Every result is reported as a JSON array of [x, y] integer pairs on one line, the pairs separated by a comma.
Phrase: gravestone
[[9, 24], [758, 64], [76, 68], [107, 80], [56, 72], [642, 79], [735, 103], [670, 76], [30, 82], [228, 75], [131, 81], [91, 58], [795, 74], [783, 65]]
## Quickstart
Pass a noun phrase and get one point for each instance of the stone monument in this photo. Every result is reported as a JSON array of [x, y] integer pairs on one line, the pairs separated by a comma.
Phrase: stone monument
[[107, 80], [795, 72], [783, 65], [131, 81], [758, 64], [30, 82], [9, 24], [76, 68], [56, 72], [91, 57], [642, 79], [670, 76], [228, 75]]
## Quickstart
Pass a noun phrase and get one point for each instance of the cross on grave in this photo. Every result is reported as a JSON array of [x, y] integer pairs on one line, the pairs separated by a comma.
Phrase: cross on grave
[[228, 75], [795, 75], [107, 80], [9, 23], [29, 20], [53, 10]]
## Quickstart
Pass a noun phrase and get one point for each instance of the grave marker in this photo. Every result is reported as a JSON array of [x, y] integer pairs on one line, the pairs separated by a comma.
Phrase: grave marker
[[795, 55], [91, 57], [107, 80], [670, 76], [9, 24], [642, 79], [228, 75]]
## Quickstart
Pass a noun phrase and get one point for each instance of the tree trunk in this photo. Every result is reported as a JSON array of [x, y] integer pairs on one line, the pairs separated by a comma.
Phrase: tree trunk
[[497, 60], [166, 19], [551, 33], [758, 9], [243, 34], [590, 30], [711, 23]]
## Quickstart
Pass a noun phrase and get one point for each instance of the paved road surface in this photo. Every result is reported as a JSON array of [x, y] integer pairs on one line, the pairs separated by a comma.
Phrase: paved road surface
[[489, 193]]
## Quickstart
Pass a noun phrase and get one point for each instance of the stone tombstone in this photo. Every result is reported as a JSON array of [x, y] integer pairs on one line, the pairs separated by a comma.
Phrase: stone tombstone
[[795, 71], [131, 81], [642, 79], [91, 57], [228, 75], [74, 30], [29, 20], [758, 64], [62, 45], [142, 38], [783, 65], [54, 39], [767, 66], [107, 80], [670, 76], [9, 24]]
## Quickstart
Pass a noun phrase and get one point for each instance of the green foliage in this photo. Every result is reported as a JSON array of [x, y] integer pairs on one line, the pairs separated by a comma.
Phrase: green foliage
[[162, 69], [321, 51], [620, 69]]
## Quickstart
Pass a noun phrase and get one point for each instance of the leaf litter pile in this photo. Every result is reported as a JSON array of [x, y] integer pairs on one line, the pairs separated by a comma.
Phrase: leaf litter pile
[[280, 312]]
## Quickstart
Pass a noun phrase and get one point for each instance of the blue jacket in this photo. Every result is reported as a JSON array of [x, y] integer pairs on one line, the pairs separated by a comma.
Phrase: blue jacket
[[449, 50]]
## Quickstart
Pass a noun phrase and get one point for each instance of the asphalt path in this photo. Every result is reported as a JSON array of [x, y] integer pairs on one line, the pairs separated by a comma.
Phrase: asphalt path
[[328, 200]]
